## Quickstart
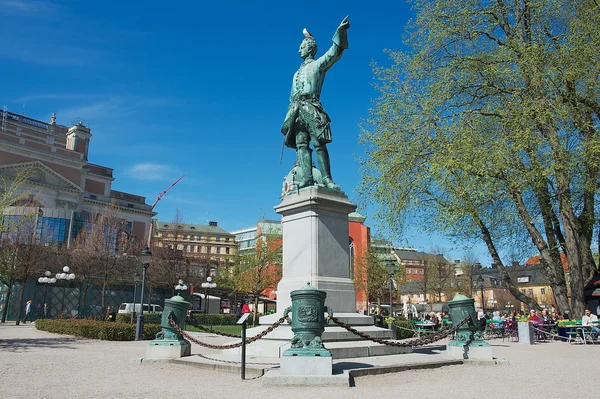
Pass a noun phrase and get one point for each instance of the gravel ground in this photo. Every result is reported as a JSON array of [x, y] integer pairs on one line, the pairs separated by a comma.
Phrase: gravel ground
[[36, 364]]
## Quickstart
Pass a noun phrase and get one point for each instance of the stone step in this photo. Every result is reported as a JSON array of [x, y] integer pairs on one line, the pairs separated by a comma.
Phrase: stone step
[[352, 349]]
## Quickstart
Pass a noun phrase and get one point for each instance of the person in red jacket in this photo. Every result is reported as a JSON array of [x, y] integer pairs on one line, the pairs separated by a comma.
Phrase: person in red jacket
[[246, 308]]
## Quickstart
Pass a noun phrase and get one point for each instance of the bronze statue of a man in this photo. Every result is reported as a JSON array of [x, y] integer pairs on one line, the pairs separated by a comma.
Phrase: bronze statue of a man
[[306, 121]]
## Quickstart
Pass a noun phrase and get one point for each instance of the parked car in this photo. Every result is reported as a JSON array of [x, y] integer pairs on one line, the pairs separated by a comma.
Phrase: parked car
[[127, 307]]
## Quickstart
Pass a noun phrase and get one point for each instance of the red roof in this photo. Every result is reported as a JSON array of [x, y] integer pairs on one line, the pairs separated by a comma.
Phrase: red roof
[[535, 260]]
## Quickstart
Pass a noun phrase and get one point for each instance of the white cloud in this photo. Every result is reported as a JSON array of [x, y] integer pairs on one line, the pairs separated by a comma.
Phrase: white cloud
[[26, 6], [150, 171]]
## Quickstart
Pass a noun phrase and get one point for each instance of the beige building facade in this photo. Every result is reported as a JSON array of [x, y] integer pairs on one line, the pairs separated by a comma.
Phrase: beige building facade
[[62, 184]]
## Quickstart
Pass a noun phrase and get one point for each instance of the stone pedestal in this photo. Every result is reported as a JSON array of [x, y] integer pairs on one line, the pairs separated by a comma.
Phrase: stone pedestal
[[168, 349], [306, 365], [525, 333], [477, 350], [316, 247]]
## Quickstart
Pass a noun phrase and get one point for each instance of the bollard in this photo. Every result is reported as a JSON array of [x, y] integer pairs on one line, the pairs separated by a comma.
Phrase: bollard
[[308, 322], [468, 341], [169, 343]]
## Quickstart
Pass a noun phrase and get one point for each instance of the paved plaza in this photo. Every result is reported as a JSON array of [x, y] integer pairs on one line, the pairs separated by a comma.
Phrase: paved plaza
[[43, 365]]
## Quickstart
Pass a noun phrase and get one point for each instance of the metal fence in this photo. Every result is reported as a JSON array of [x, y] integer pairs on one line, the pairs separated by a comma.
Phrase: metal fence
[[73, 299]]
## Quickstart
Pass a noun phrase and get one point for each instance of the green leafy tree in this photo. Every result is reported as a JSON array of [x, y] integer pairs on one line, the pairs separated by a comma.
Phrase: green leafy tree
[[258, 270], [17, 215], [487, 128]]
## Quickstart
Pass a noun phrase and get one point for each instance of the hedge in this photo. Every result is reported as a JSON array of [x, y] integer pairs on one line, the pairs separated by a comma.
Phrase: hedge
[[214, 319], [94, 329], [405, 328], [149, 318]]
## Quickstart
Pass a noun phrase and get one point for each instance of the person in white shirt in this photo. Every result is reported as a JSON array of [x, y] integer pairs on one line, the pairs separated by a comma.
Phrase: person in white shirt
[[587, 320]]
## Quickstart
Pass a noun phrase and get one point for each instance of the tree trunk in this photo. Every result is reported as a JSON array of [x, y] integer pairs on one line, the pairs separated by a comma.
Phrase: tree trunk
[[84, 290], [575, 270], [487, 238], [255, 322], [21, 295], [6, 301]]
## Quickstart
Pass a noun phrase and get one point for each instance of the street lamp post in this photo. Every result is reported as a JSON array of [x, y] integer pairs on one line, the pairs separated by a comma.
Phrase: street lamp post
[[180, 287], [145, 258], [480, 282], [46, 280], [136, 279], [65, 275], [391, 270], [208, 284]]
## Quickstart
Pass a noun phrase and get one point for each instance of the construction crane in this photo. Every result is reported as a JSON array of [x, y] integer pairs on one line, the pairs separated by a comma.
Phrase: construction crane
[[160, 195]]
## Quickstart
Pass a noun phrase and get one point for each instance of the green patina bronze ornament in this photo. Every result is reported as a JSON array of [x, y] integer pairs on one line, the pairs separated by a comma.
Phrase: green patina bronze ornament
[[308, 322], [175, 308], [468, 334], [306, 122]]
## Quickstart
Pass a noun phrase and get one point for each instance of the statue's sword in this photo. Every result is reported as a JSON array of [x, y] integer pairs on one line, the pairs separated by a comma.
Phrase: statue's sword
[[282, 148]]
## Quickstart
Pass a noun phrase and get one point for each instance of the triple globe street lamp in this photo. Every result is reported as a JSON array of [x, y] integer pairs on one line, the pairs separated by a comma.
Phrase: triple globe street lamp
[[46, 280], [180, 287], [208, 284]]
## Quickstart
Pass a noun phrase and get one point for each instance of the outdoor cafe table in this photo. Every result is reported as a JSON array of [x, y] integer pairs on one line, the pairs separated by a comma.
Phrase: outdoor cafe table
[[424, 328], [585, 330]]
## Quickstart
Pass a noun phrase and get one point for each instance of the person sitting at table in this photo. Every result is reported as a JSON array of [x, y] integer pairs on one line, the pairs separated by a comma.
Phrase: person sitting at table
[[588, 319], [496, 316], [513, 315], [434, 319], [546, 318], [533, 316]]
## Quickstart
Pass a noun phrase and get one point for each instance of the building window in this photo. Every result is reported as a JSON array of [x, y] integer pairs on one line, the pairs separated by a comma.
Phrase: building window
[[129, 205], [227, 251], [218, 239], [543, 291], [208, 250], [408, 271], [421, 271], [530, 291], [92, 196]]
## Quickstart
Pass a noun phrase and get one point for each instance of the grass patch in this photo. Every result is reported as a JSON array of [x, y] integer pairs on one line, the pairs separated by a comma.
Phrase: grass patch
[[222, 329]]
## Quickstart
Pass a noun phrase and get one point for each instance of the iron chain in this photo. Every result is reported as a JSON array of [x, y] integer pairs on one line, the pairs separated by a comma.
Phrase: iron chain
[[230, 346], [412, 343]]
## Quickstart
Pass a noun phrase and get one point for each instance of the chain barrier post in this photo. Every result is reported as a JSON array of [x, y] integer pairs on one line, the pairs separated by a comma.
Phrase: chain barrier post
[[170, 342], [468, 341]]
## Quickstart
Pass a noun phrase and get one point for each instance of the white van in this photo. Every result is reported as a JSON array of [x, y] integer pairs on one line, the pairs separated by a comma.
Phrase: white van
[[127, 307]]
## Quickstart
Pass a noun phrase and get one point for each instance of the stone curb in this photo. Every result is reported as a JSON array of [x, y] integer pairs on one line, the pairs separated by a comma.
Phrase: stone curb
[[405, 367]]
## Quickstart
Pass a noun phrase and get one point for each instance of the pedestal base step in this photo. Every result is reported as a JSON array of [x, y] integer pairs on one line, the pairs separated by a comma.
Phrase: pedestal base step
[[275, 378], [353, 349], [166, 349]]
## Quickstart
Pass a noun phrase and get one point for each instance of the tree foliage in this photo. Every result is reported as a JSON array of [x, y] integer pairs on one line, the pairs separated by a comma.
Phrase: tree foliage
[[487, 127], [256, 270]]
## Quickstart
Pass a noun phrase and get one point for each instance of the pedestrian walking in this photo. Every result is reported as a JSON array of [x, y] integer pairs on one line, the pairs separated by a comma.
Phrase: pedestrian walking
[[27, 312]]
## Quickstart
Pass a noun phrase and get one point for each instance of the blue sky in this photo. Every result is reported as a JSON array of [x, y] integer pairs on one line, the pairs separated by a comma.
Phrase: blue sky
[[198, 89]]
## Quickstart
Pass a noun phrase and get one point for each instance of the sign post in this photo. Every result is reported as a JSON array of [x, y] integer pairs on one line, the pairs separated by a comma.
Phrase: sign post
[[244, 322]]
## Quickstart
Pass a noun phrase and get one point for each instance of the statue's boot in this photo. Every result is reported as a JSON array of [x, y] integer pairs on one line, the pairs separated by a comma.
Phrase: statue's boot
[[324, 166], [304, 160]]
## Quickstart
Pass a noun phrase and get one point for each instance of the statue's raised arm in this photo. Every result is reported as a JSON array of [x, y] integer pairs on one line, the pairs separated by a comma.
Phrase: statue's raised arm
[[340, 43], [306, 120]]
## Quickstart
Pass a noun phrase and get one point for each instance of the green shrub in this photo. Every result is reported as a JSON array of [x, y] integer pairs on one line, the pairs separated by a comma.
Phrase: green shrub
[[214, 319], [404, 328], [94, 329], [149, 318]]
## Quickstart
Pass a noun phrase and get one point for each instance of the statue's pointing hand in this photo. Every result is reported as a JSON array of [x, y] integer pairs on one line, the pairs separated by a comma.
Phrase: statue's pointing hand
[[345, 23]]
